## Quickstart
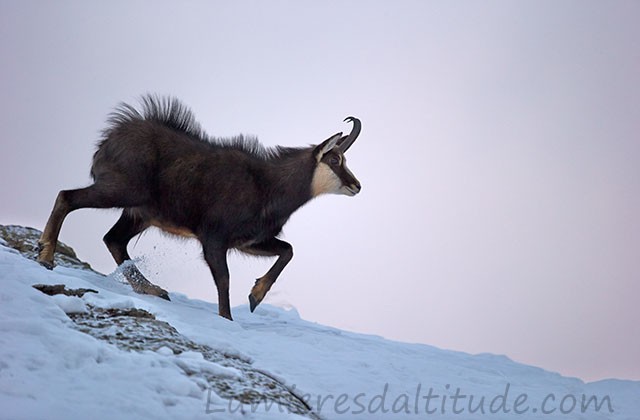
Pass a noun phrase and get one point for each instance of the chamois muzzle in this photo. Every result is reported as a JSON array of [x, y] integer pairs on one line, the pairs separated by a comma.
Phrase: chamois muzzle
[[347, 141]]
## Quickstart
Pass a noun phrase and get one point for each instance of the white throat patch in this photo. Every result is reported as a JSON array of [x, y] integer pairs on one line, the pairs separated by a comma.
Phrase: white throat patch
[[325, 181]]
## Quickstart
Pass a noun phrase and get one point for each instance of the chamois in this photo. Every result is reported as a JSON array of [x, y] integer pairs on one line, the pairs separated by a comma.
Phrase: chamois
[[163, 170]]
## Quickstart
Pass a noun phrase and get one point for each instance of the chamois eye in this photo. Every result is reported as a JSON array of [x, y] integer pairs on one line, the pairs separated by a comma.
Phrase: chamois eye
[[334, 161]]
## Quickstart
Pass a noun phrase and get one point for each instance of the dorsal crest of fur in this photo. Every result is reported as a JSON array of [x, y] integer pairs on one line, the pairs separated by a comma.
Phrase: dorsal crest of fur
[[172, 113]]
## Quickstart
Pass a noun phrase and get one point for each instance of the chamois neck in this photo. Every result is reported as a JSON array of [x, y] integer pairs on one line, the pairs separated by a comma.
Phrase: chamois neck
[[292, 175]]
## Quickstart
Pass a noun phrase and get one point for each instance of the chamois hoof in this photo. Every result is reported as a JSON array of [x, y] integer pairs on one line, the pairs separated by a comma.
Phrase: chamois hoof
[[164, 295], [154, 290], [46, 264], [226, 316], [253, 303], [141, 285]]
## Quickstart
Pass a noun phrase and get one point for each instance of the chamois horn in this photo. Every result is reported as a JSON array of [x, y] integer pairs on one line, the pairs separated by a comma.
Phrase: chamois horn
[[347, 141]]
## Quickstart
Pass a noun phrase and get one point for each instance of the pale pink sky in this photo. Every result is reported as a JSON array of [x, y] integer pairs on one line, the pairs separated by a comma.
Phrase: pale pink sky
[[499, 156]]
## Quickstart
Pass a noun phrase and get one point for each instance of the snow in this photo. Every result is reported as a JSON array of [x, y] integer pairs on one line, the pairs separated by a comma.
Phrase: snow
[[50, 369], [70, 304]]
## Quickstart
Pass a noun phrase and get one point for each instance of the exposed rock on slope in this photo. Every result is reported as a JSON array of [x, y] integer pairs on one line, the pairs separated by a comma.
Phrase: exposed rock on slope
[[25, 240]]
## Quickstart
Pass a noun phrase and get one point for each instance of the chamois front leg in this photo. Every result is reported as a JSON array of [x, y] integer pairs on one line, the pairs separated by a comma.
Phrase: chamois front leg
[[49, 239], [216, 258], [268, 248]]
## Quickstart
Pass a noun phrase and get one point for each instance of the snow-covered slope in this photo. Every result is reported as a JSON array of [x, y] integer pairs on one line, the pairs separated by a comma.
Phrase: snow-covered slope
[[117, 354]]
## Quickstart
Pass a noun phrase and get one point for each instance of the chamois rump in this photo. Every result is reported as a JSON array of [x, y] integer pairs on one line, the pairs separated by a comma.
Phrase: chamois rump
[[163, 170]]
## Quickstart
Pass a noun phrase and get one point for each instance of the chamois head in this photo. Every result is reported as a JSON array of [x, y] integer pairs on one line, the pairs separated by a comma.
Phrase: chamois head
[[331, 175]]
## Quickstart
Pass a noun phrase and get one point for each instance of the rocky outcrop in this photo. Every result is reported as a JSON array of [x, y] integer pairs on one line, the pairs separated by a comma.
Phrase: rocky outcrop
[[25, 240]]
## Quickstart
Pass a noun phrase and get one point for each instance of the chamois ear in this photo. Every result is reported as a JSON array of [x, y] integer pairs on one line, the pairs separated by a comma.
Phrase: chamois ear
[[321, 149]]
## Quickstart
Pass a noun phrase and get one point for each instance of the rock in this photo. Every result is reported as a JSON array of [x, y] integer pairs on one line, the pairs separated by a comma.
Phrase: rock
[[25, 240], [61, 289], [231, 377]]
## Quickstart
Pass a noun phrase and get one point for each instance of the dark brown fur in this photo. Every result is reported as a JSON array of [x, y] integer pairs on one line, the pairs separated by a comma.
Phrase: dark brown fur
[[164, 171]]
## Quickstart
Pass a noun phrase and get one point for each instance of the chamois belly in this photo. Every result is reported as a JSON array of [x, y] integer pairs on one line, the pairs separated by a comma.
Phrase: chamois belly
[[172, 229], [255, 232]]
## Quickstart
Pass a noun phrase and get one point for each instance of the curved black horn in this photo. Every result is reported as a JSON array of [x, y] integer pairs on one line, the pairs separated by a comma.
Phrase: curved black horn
[[347, 141]]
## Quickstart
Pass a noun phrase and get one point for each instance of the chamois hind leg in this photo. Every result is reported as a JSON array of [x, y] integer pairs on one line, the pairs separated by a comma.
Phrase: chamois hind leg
[[268, 248], [116, 240], [94, 196], [128, 226]]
